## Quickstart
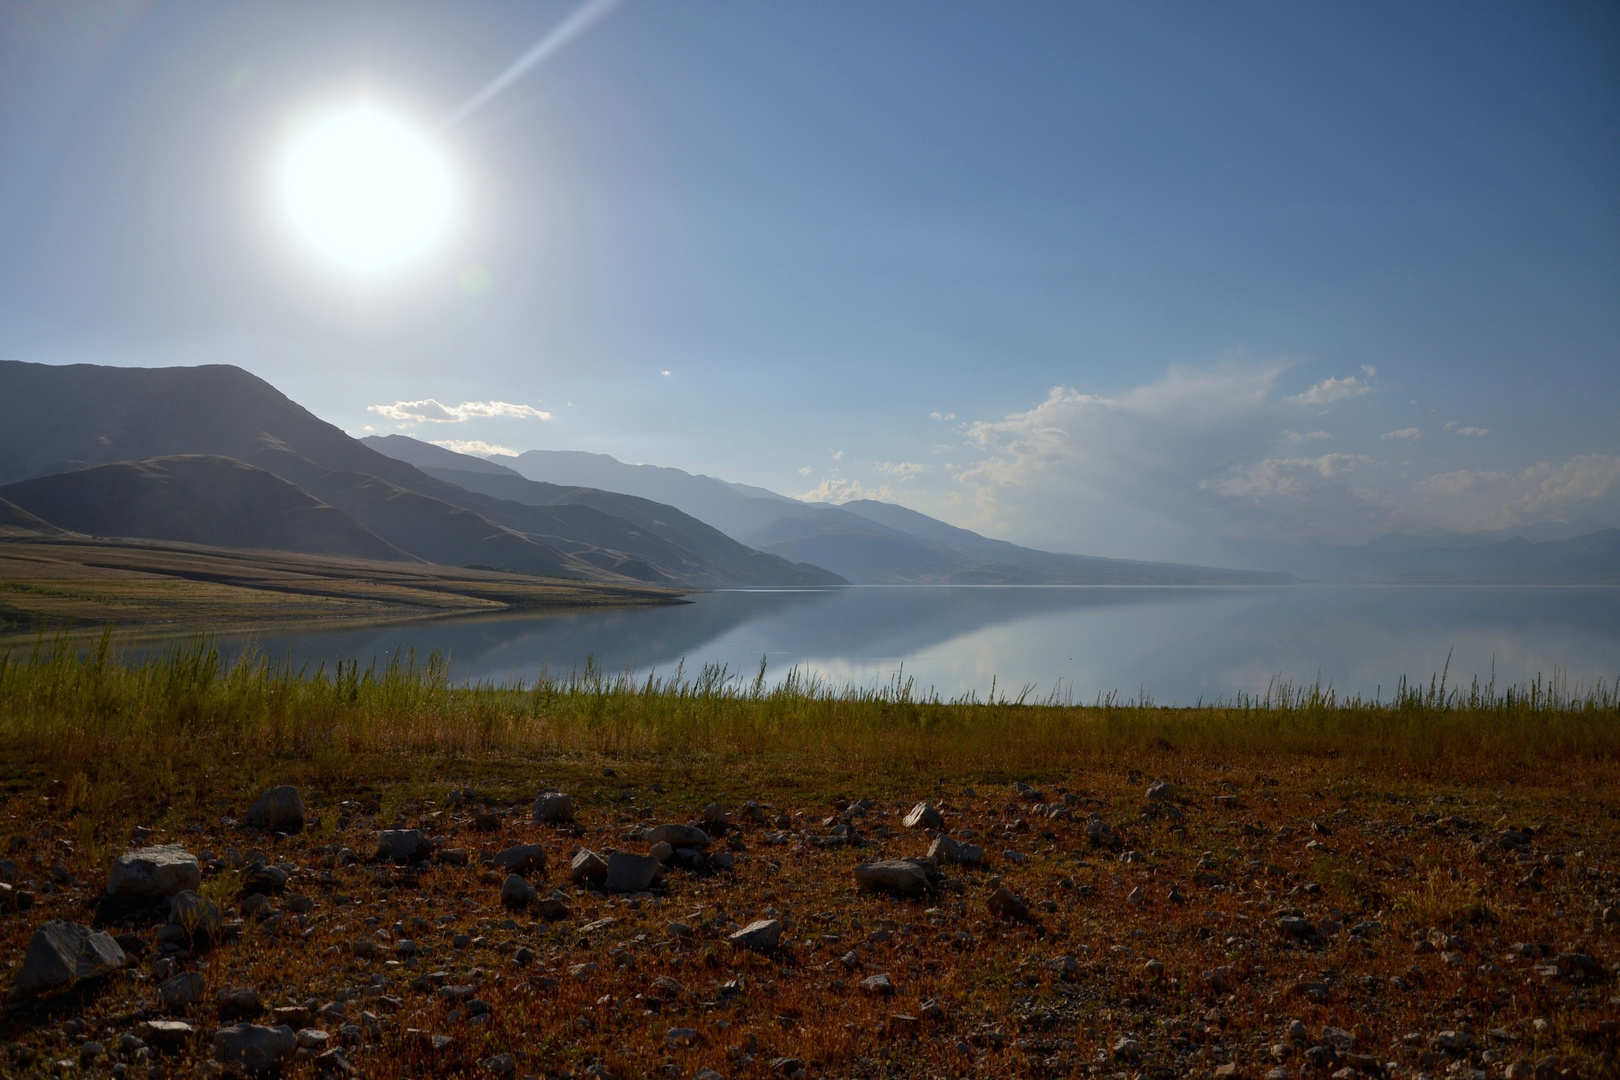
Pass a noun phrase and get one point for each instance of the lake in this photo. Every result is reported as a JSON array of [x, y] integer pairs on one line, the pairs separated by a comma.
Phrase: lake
[[1176, 645]]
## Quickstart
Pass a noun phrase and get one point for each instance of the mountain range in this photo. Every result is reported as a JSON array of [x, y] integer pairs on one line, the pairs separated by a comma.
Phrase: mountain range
[[59, 421], [865, 541], [213, 455]]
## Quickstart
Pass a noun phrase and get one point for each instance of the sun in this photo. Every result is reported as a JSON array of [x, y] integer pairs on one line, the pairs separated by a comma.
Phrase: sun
[[365, 190]]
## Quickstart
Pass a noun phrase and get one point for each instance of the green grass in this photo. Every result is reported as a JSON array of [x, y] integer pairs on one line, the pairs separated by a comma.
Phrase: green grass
[[185, 724]]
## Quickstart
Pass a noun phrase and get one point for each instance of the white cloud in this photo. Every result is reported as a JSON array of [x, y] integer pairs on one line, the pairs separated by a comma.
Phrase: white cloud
[[838, 455], [805, 470], [1586, 486], [942, 416], [1287, 477], [840, 489], [905, 470], [432, 412], [669, 372], [1161, 470], [1330, 390], [1479, 431], [477, 447]]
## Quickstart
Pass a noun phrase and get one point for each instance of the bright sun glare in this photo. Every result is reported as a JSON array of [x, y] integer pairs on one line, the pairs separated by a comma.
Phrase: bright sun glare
[[365, 190]]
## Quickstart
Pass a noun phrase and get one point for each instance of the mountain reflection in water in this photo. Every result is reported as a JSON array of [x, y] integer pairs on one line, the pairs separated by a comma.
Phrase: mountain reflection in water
[[1178, 645]]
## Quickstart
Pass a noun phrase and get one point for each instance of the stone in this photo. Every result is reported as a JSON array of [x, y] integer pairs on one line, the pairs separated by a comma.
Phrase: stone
[[516, 893], [281, 809], [61, 953], [402, 846], [198, 916], [554, 908], [523, 859], [631, 873], [951, 850], [662, 851], [500, 1064], [924, 816], [154, 872], [878, 985], [1295, 926], [1008, 905], [1101, 834], [761, 935], [268, 880], [678, 836], [713, 814], [166, 1033], [240, 1003], [1161, 791], [897, 877], [680, 1037], [1127, 1049], [588, 868], [181, 990], [553, 808], [257, 1051], [312, 1039]]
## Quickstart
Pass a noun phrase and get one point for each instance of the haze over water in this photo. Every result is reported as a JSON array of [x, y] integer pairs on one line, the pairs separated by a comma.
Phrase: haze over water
[[1177, 645]]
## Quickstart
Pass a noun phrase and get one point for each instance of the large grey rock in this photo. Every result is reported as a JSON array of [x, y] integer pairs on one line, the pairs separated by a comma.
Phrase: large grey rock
[[198, 916], [631, 873], [897, 877], [924, 816], [588, 868], [1161, 791], [61, 953], [948, 849], [553, 807], [280, 808], [760, 935], [517, 893], [256, 1050], [678, 836], [154, 872], [403, 846], [181, 990], [523, 859]]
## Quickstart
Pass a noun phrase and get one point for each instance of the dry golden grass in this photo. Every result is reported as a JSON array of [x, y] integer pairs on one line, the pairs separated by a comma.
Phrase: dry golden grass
[[74, 582]]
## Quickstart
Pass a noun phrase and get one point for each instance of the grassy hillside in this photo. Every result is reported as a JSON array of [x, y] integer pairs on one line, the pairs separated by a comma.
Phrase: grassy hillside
[[86, 583]]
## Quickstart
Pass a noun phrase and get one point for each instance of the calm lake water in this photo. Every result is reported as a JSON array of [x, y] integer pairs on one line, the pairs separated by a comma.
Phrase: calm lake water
[[1178, 645]]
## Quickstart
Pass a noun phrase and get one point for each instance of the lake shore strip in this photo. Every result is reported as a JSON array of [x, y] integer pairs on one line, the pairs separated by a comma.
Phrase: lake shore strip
[[54, 583], [215, 870]]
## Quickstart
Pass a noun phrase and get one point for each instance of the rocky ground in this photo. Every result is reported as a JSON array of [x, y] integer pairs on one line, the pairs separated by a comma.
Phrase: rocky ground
[[1213, 922]]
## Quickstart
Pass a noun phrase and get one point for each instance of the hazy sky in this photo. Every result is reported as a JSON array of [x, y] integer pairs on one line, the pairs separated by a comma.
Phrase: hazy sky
[[1126, 279]]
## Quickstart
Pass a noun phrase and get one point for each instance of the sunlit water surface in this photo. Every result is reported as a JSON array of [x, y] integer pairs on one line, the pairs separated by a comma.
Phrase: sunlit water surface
[[1176, 645]]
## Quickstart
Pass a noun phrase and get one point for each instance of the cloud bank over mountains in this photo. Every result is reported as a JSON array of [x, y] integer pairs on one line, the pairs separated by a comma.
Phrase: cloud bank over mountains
[[1174, 468], [1206, 454]]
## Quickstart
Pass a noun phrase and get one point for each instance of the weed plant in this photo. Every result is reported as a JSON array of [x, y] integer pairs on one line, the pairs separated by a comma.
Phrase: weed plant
[[186, 719]]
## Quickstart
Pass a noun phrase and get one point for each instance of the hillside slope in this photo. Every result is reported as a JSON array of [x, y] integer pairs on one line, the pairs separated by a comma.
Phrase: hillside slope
[[56, 419], [196, 499], [866, 542]]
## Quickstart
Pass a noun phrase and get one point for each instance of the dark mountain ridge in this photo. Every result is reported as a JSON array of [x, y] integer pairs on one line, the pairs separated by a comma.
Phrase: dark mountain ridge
[[196, 499], [57, 419]]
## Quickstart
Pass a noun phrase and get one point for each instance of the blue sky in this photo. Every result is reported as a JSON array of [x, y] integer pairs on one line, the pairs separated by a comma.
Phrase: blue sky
[[1145, 280]]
